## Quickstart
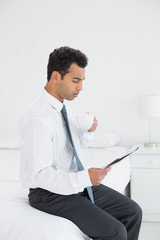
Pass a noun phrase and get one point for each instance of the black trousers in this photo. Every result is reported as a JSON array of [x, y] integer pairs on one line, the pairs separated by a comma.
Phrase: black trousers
[[112, 217]]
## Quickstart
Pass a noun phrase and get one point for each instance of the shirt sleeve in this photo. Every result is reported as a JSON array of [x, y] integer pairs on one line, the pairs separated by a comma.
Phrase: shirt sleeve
[[61, 182], [38, 147]]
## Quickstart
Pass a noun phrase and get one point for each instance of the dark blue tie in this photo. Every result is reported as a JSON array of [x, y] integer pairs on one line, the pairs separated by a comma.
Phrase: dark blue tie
[[80, 166]]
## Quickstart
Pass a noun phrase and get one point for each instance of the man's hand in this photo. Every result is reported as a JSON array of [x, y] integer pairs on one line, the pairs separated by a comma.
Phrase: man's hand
[[94, 125], [97, 175]]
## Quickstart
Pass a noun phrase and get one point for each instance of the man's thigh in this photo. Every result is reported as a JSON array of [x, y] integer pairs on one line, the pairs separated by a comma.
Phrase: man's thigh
[[94, 221], [91, 219]]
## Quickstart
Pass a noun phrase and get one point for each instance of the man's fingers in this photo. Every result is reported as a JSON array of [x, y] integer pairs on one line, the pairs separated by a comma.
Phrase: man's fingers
[[94, 125]]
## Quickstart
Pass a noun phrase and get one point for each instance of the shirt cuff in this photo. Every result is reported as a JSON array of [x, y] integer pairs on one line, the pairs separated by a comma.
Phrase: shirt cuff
[[84, 179]]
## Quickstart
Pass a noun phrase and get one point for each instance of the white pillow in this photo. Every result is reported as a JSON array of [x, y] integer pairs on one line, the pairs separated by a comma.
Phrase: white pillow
[[104, 140], [8, 141]]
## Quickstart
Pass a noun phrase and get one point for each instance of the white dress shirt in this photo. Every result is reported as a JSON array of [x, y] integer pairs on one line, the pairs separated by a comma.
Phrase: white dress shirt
[[47, 159]]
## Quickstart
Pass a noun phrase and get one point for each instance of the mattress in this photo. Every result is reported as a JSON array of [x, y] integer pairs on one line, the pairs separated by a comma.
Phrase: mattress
[[19, 221]]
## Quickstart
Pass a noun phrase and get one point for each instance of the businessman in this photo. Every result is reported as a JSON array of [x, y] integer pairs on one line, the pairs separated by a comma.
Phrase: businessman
[[51, 168]]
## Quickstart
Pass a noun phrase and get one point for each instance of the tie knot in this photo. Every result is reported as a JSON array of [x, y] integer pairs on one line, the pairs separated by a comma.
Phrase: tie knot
[[64, 113], [63, 109]]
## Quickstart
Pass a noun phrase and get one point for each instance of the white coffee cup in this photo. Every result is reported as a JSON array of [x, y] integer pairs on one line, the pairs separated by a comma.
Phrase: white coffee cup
[[85, 121]]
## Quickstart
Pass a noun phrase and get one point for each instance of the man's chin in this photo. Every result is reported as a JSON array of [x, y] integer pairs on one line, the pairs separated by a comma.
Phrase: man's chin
[[70, 98]]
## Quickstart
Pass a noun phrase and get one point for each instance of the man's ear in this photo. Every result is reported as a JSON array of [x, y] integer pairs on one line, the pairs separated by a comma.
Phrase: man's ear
[[55, 76]]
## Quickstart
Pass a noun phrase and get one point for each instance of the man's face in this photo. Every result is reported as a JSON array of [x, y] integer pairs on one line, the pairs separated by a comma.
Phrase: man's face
[[70, 86]]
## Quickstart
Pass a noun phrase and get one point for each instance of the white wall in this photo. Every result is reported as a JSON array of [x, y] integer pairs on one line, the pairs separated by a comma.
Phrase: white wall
[[121, 39]]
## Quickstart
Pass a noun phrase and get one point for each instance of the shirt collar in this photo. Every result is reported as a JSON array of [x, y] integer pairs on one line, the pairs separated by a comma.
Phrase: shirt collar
[[53, 101]]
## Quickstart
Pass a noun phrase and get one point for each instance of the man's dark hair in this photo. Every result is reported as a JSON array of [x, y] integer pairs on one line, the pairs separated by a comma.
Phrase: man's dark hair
[[61, 59]]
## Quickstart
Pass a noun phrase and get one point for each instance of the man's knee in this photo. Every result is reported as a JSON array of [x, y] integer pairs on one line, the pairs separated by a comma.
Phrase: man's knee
[[121, 232], [117, 232], [137, 211]]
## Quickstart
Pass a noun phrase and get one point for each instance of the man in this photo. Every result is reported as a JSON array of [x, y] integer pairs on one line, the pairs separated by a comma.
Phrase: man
[[50, 159]]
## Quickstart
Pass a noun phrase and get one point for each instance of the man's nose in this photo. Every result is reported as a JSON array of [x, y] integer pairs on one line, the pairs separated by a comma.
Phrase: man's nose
[[80, 86]]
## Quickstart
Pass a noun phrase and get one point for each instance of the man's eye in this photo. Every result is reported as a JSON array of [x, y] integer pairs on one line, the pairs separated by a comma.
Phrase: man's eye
[[74, 81]]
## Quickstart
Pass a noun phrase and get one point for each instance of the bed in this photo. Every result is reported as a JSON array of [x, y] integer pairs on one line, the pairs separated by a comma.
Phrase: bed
[[19, 221]]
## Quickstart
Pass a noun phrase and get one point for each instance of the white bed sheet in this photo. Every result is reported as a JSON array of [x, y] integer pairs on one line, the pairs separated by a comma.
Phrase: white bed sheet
[[119, 175], [19, 221]]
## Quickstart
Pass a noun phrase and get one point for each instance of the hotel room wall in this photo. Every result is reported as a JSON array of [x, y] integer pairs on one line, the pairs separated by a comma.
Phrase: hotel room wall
[[121, 39]]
